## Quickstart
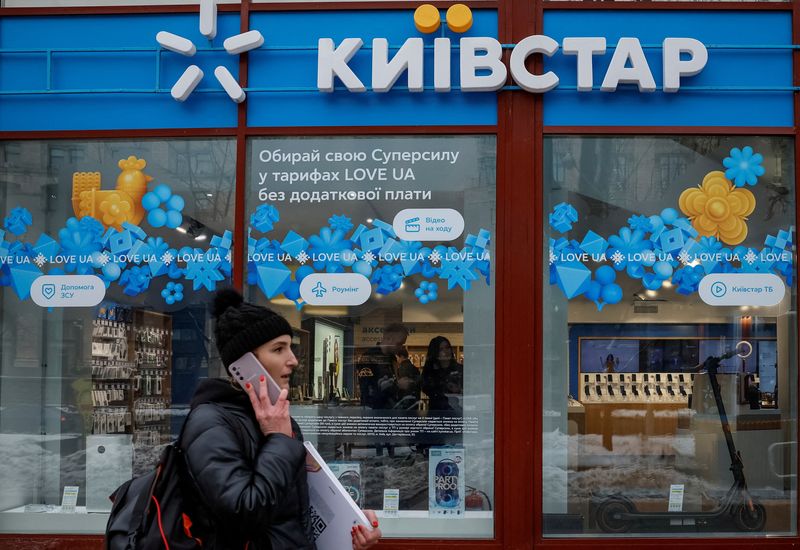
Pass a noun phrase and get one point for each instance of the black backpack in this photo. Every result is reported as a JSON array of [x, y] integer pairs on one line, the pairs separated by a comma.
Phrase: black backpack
[[160, 510], [151, 512]]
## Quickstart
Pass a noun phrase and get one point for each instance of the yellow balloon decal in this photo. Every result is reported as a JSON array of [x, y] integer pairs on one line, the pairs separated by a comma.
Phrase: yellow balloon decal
[[718, 209], [116, 206]]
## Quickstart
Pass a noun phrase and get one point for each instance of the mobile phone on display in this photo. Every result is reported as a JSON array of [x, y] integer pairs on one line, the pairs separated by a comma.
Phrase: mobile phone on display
[[249, 369]]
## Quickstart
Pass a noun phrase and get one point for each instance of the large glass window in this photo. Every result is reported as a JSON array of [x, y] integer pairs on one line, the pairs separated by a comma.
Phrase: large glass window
[[379, 251], [670, 368], [109, 253]]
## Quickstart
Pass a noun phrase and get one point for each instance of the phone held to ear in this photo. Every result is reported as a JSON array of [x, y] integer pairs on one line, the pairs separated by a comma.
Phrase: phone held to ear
[[249, 369]]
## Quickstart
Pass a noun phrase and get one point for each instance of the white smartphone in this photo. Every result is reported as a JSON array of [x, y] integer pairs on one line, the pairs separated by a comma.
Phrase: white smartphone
[[249, 369]]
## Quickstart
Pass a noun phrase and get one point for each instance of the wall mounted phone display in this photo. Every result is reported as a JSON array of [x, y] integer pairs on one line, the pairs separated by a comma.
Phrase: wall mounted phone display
[[329, 362], [131, 377], [660, 387]]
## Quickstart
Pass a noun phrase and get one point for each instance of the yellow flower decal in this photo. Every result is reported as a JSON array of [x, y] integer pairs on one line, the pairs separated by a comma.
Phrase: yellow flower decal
[[116, 209], [718, 209]]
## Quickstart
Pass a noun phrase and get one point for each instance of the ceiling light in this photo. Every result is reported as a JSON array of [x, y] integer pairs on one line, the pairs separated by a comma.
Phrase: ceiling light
[[200, 237], [651, 293], [181, 229], [209, 194]]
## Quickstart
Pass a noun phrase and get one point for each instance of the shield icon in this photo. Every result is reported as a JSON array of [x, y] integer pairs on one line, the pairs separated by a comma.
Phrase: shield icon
[[48, 291]]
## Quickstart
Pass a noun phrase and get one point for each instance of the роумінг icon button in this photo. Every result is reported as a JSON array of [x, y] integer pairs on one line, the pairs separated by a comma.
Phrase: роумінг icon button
[[335, 289]]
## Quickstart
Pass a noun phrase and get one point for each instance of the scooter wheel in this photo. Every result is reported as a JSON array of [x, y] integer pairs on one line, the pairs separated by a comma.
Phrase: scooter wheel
[[751, 520], [609, 515]]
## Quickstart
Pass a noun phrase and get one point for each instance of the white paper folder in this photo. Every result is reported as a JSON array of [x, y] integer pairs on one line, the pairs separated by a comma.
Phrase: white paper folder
[[333, 512]]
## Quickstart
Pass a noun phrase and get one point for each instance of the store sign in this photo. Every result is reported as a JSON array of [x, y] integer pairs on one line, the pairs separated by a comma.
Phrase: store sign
[[481, 67]]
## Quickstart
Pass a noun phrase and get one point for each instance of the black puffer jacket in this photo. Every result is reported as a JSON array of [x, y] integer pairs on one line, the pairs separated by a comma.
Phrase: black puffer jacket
[[254, 485]]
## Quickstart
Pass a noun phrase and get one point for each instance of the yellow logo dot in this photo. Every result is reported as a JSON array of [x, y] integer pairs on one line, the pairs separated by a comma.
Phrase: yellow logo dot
[[459, 18], [427, 18]]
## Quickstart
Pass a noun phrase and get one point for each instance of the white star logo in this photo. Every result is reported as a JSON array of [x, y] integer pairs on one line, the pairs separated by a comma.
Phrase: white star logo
[[103, 259], [684, 257], [617, 257], [368, 257], [40, 260], [192, 76], [750, 257]]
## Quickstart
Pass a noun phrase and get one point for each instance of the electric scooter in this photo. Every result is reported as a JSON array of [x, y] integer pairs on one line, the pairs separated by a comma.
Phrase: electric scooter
[[618, 514]]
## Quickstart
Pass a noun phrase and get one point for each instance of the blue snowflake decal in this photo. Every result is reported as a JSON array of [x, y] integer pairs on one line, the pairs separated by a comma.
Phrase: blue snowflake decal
[[204, 272], [628, 246], [79, 239], [328, 245], [743, 167], [641, 223], [340, 223], [457, 270]]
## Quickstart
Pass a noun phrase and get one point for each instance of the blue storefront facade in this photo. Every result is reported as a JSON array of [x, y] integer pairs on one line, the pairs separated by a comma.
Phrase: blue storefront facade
[[580, 215]]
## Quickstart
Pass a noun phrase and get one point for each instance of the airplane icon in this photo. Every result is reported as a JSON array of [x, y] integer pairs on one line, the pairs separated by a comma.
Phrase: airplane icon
[[319, 290]]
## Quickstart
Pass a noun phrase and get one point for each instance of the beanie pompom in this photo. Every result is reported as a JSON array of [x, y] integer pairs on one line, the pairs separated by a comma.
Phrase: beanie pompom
[[225, 299]]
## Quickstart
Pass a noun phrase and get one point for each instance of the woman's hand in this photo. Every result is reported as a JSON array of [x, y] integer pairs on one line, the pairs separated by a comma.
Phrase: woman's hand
[[363, 538], [271, 418]]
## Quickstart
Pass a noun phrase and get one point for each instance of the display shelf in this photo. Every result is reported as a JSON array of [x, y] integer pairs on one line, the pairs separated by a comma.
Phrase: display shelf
[[152, 336], [112, 371], [662, 387]]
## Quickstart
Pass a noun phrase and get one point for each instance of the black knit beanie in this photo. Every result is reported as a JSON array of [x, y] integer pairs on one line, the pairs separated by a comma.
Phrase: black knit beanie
[[242, 327]]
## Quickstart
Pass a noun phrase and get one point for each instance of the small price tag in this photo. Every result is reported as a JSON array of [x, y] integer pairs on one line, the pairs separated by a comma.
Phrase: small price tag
[[676, 498], [69, 499], [391, 501]]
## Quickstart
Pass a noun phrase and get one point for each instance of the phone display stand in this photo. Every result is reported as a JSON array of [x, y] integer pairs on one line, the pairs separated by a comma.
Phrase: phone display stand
[[636, 387]]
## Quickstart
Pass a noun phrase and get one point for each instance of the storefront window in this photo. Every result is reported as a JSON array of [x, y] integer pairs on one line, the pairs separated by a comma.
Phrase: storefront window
[[379, 251], [670, 368], [109, 254]]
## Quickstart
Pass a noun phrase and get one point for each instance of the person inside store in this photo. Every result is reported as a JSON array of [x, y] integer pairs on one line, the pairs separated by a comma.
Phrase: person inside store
[[611, 363], [752, 393], [386, 377], [245, 455], [385, 373], [442, 377], [407, 381]]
